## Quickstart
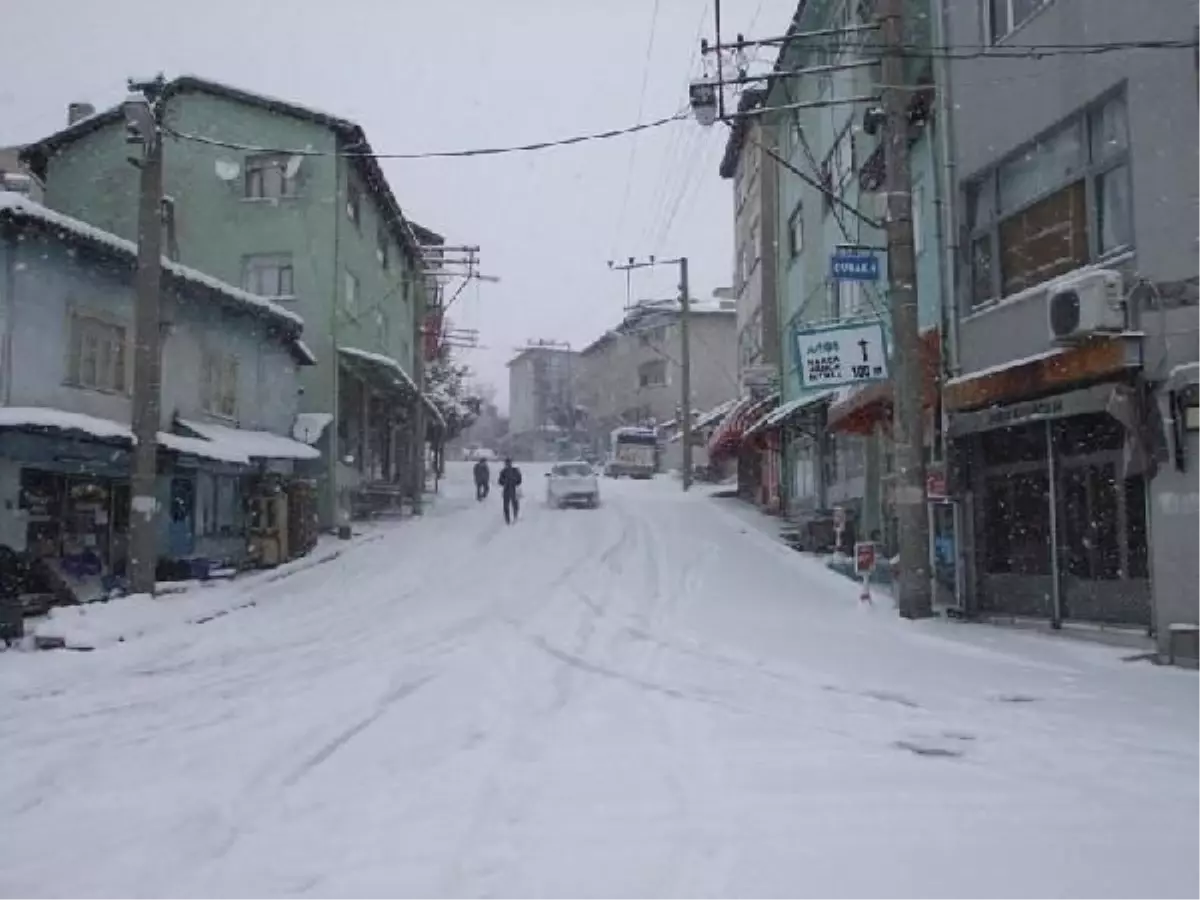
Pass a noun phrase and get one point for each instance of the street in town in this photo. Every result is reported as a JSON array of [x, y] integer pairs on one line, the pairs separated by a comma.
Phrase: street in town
[[655, 698]]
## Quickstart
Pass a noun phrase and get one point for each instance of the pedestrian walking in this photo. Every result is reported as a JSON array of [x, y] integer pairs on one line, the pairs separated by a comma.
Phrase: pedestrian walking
[[510, 490], [483, 480]]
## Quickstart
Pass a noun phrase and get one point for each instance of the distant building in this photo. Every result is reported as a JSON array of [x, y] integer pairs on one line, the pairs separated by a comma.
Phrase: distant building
[[15, 177], [542, 402], [630, 375]]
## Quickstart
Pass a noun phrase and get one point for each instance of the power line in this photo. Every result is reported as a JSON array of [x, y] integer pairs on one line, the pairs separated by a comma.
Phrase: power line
[[435, 154], [633, 144]]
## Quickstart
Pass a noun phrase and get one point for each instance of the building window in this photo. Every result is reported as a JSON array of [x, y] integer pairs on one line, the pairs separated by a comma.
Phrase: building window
[[918, 201], [1058, 204], [269, 275], [350, 294], [850, 299], [97, 354], [653, 373], [796, 231], [218, 505], [1005, 16], [218, 384], [381, 245], [353, 203], [269, 176]]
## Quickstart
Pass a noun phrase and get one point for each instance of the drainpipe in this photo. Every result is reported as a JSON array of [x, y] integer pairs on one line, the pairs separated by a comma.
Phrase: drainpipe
[[947, 189]]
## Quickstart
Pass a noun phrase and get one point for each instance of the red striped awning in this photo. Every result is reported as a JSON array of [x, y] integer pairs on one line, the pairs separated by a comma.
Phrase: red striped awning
[[727, 439]]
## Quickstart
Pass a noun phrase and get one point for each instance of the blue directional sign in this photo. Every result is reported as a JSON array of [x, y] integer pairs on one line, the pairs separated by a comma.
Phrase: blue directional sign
[[854, 267]]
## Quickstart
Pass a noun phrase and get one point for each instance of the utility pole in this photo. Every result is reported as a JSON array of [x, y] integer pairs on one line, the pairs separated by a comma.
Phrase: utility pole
[[142, 118], [908, 423], [685, 351]]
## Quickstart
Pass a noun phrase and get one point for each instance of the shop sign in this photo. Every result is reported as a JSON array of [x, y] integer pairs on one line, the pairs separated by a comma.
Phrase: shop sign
[[841, 355], [1049, 408]]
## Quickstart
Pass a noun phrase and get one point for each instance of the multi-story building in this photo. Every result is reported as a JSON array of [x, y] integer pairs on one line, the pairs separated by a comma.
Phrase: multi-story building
[[1077, 311], [630, 375], [837, 439], [310, 222], [543, 403], [230, 391]]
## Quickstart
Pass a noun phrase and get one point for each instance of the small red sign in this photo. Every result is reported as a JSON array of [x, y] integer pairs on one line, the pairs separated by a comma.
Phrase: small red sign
[[935, 484], [864, 557]]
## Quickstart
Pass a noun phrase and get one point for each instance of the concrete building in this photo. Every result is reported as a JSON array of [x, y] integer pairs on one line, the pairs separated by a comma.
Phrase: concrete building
[[542, 403], [1074, 508], [230, 393], [321, 234], [837, 442], [630, 375]]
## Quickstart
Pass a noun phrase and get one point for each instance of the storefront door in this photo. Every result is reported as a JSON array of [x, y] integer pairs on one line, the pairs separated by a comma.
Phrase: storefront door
[[181, 533]]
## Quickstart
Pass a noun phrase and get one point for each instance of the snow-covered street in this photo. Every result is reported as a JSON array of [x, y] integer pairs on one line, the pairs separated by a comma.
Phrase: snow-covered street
[[649, 699]]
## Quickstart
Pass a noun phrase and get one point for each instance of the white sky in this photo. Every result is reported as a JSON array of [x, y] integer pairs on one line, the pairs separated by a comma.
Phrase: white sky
[[421, 75]]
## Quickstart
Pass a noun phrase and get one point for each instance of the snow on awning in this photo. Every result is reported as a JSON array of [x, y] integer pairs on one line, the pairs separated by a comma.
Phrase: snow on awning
[[782, 415], [727, 439], [309, 427], [252, 444], [46, 418], [386, 363], [715, 415]]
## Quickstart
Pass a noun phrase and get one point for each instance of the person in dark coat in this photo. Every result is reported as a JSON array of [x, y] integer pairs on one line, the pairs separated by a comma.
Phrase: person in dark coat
[[483, 479], [509, 481]]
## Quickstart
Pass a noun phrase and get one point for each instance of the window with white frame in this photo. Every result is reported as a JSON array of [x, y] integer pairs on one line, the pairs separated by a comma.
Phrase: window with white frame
[[218, 383], [796, 231], [97, 354], [1005, 16], [269, 275], [918, 224], [1061, 202], [218, 511], [269, 176], [350, 291]]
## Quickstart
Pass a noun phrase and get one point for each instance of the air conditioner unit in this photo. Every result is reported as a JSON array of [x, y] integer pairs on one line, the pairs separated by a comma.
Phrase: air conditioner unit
[[1089, 303]]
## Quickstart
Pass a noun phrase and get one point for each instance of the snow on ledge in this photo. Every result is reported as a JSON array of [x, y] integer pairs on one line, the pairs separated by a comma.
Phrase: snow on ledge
[[310, 426], [1004, 366], [249, 443], [46, 417]]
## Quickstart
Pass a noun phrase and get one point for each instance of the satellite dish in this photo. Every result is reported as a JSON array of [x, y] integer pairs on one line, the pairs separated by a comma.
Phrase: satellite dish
[[227, 169], [293, 165]]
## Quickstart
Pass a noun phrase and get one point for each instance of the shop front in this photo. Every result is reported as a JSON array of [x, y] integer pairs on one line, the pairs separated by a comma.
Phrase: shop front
[[1055, 499]]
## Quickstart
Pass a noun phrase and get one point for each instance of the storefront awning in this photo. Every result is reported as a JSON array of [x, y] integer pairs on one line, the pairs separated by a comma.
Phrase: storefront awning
[[394, 374], [248, 443], [727, 439], [716, 415], [786, 413]]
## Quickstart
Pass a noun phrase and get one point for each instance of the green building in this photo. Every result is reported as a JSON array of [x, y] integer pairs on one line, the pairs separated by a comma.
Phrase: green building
[[290, 203]]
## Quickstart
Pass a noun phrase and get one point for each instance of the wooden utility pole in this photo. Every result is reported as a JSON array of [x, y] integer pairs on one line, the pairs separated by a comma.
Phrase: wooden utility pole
[[142, 116], [908, 423]]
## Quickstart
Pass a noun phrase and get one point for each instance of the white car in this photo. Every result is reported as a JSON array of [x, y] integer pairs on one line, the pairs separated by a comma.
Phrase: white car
[[572, 484]]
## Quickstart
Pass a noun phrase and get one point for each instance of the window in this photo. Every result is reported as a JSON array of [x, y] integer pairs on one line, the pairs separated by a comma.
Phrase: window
[[218, 511], [350, 294], [353, 202], [1058, 204], [796, 231], [1004, 16], [918, 201], [97, 354], [381, 245], [269, 275], [653, 373], [270, 176], [752, 246], [218, 383]]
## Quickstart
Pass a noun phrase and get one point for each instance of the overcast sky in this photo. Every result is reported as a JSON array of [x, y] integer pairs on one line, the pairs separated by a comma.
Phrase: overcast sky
[[447, 74]]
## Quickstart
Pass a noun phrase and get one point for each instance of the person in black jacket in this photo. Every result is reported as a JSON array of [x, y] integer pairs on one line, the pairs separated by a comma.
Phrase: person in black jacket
[[483, 479], [510, 481]]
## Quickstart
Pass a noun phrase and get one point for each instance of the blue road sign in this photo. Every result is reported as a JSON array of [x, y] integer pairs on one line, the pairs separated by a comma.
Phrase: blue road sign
[[854, 267]]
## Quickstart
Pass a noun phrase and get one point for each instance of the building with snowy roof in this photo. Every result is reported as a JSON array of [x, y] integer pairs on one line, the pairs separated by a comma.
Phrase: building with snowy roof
[[230, 387], [288, 202]]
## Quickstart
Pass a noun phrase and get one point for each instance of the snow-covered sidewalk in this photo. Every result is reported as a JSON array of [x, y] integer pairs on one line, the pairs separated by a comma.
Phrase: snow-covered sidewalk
[[648, 699]]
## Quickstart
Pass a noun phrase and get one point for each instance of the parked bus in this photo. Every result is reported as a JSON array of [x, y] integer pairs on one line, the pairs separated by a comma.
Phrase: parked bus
[[634, 453]]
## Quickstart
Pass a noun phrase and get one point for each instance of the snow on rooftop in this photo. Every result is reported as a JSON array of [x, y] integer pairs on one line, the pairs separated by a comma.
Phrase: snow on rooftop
[[380, 360], [249, 443], [310, 426], [20, 205]]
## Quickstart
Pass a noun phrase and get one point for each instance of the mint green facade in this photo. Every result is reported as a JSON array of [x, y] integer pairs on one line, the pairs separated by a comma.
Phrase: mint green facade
[[826, 469], [217, 227]]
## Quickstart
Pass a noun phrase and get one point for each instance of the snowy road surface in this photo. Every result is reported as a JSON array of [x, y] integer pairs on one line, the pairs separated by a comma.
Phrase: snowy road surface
[[651, 699]]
